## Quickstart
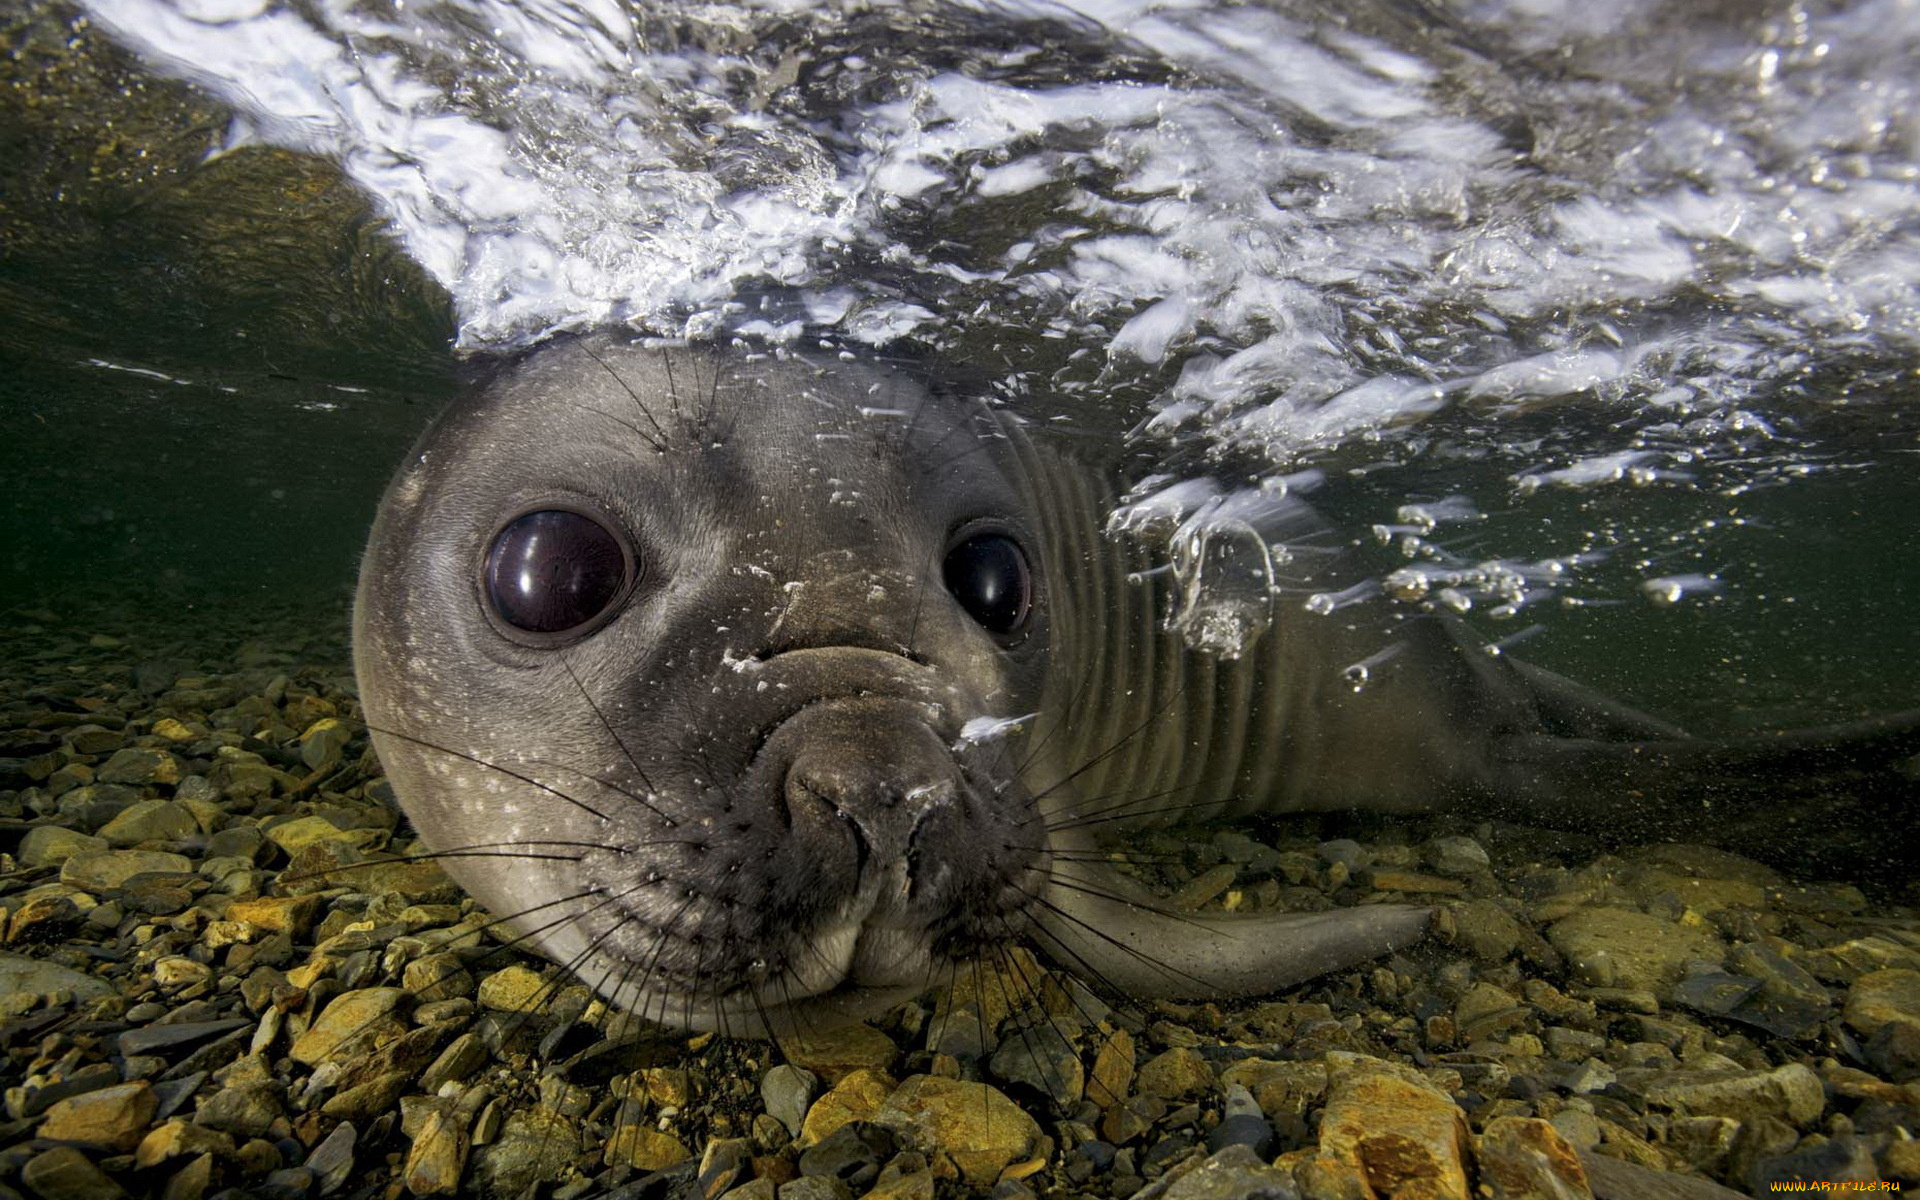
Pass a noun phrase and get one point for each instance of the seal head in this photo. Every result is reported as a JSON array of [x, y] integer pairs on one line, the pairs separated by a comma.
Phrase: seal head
[[676, 660]]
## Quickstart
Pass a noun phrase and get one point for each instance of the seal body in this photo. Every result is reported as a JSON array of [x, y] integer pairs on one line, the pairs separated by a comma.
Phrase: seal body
[[756, 690]]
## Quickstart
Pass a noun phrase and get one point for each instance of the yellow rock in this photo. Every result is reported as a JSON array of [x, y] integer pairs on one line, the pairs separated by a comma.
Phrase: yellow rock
[[855, 1098], [644, 1148]]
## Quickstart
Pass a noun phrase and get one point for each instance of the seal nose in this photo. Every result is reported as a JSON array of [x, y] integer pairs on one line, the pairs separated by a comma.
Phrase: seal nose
[[878, 793]]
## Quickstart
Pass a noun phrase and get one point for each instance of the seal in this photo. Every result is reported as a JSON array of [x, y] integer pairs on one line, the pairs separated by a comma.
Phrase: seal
[[756, 690]]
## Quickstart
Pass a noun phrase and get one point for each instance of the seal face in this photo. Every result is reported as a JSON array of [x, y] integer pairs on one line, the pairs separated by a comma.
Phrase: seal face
[[674, 657]]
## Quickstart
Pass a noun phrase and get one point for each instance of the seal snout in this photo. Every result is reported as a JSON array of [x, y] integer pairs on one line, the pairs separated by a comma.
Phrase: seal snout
[[867, 788]]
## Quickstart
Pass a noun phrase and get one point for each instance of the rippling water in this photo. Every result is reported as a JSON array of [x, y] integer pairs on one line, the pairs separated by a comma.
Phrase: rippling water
[[1600, 318]]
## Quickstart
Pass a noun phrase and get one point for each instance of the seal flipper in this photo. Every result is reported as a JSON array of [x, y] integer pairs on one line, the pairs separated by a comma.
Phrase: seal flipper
[[1096, 921], [1577, 782]]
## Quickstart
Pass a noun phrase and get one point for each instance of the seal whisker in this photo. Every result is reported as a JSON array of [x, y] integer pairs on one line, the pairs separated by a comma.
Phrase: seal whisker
[[611, 731], [509, 772], [659, 445], [1122, 810], [1115, 748], [1130, 951]]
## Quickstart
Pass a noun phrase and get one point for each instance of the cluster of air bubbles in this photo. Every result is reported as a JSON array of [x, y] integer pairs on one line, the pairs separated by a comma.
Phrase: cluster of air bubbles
[[1226, 551]]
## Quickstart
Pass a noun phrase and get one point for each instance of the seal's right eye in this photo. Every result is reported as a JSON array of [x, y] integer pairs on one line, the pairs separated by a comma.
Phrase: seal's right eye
[[554, 570]]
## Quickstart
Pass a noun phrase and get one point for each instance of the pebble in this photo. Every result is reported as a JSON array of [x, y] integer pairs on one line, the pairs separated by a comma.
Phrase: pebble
[[110, 1118], [785, 1093], [107, 870], [856, 1098], [353, 1023], [34, 978], [972, 1126], [1620, 948], [1387, 1128], [64, 1173], [833, 1054], [1177, 1074]]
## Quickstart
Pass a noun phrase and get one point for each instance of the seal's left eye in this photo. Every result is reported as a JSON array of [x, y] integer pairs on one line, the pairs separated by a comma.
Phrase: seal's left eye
[[988, 574], [554, 570]]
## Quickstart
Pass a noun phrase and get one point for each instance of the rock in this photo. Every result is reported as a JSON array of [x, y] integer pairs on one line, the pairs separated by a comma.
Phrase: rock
[[1232, 1173], [1523, 1158], [644, 1148], [1112, 1076], [724, 1164], [32, 977], [246, 1110], [515, 989], [1788, 1002], [332, 1160], [140, 765], [833, 1054], [851, 1155], [1615, 947], [63, 1173], [1838, 1161], [1458, 856], [150, 821], [1882, 997], [1196, 892], [1386, 1128], [1039, 1057], [277, 914], [110, 869], [1617, 1179], [971, 1126], [462, 1057], [785, 1092], [154, 1038], [1241, 1124], [111, 1118], [1792, 1092], [1393, 880], [1280, 1088], [1486, 930], [180, 1138], [438, 1153], [855, 1098], [353, 1023], [534, 1145], [1177, 1074], [323, 742], [52, 845]]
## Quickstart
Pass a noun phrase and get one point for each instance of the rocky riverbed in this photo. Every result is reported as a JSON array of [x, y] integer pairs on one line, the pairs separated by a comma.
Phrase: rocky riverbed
[[222, 977]]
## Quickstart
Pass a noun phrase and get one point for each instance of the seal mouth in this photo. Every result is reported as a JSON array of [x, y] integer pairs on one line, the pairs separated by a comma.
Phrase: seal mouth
[[860, 845]]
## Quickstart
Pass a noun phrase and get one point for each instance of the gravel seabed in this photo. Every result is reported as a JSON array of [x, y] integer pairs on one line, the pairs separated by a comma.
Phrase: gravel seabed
[[221, 977]]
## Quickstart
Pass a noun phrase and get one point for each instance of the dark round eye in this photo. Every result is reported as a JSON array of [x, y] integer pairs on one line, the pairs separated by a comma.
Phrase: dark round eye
[[988, 574], [554, 570]]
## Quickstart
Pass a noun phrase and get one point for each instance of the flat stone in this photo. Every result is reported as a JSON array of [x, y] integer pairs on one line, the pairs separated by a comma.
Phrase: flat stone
[[1394, 880], [970, 1126], [438, 1154], [153, 1038], [111, 869], [1454, 855], [52, 845], [110, 1118], [180, 1138], [855, 1098], [1232, 1173], [833, 1054], [150, 821], [644, 1148], [1619, 948], [140, 765], [1792, 1092], [353, 1023], [32, 977], [64, 1173]]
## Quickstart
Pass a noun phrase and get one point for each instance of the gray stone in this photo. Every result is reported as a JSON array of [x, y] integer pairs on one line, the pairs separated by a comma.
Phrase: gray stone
[[150, 821], [51, 845], [785, 1092], [1620, 948], [23, 976], [1457, 856], [242, 1109], [112, 868], [1038, 1056], [154, 1038], [1232, 1173]]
